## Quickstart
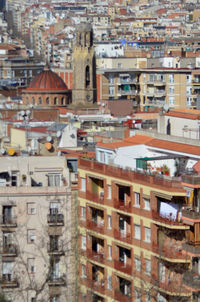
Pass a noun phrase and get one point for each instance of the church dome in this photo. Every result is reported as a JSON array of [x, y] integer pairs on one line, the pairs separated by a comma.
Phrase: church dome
[[47, 80]]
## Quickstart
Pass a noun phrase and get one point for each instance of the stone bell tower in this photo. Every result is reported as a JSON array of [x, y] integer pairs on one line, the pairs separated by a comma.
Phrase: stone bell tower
[[84, 67]]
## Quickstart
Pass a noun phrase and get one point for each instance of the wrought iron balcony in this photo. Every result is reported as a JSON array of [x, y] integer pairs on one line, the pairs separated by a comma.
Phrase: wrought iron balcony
[[55, 219]]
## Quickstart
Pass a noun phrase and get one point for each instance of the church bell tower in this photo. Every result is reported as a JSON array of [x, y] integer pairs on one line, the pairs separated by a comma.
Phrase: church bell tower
[[84, 67]]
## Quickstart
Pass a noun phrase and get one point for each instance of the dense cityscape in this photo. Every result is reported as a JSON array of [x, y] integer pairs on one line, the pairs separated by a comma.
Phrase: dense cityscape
[[99, 151]]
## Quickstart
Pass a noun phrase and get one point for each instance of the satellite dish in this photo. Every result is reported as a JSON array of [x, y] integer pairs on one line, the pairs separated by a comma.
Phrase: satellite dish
[[3, 151], [166, 107], [22, 112], [58, 134], [28, 112], [49, 139]]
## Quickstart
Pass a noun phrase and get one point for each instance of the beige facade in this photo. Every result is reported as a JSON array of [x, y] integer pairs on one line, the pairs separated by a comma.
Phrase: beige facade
[[36, 223]]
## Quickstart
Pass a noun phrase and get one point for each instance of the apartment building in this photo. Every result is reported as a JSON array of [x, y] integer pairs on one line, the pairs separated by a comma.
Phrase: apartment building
[[148, 87], [139, 222], [36, 222]]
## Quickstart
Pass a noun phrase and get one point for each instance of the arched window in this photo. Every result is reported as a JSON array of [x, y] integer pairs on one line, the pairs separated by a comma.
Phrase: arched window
[[63, 101], [40, 100], [55, 101], [87, 76], [47, 100]]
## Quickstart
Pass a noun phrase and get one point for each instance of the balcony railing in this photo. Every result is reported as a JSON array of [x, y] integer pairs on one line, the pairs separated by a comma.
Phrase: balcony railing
[[10, 221], [56, 281], [123, 267], [122, 297], [123, 236], [192, 280], [99, 257], [192, 247], [9, 250], [55, 248], [170, 252], [190, 213], [99, 198], [96, 285], [123, 205], [94, 226], [8, 280], [129, 175], [191, 179], [166, 220], [55, 219]]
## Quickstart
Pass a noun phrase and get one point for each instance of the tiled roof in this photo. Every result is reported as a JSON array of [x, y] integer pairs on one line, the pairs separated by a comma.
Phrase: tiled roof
[[114, 145], [185, 113], [173, 146], [47, 80]]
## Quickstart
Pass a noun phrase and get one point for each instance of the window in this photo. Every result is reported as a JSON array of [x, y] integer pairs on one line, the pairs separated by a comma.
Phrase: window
[[189, 78], [171, 100], [109, 252], [83, 269], [83, 184], [109, 222], [137, 232], [31, 265], [161, 272], [147, 298], [111, 90], [137, 264], [147, 235], [109, 192], [54, 208], [31, 237], [137, 296], [102, 156], [31, 208], [137, 200], [83, 242], [111, 78], [148, 266], [147, 205], [110, 282], [189, 101], [171, 78], [7, 270], [171, 89], [47, 101], [54, 180], [83, 213]]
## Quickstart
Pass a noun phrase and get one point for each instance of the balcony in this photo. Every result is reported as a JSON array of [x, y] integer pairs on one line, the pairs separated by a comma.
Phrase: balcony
[[55, 219], [99, 198], [96, 227], [96, 285], [167, 221], [192, 248], [123, 236], [99, 257], [127, 81], [8, 281], [127, 92], [190, 215], [120, 296], [123, 205], [191, 179], [7, 221], [56, 281], [159, 181], [123, 267], [192, 280], [8, 250], [170, 253], [159, 93], [55, 248]]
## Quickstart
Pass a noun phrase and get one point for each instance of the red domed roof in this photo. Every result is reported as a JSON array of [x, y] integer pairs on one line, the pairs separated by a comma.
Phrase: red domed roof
[[47, 80]]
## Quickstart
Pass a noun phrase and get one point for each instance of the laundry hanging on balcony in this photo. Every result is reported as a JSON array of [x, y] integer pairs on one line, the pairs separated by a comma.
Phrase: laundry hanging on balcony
[[169, 210]]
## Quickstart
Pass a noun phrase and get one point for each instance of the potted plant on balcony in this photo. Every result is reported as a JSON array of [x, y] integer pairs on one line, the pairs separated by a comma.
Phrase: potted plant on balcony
[[165, 170]]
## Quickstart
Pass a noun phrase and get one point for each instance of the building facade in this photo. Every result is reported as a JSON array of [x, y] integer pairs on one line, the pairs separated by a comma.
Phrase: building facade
[[36, 222], [138, 233]]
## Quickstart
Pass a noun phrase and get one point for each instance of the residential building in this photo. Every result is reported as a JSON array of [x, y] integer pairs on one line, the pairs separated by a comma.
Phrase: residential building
[[138, 221], [36, 223]]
